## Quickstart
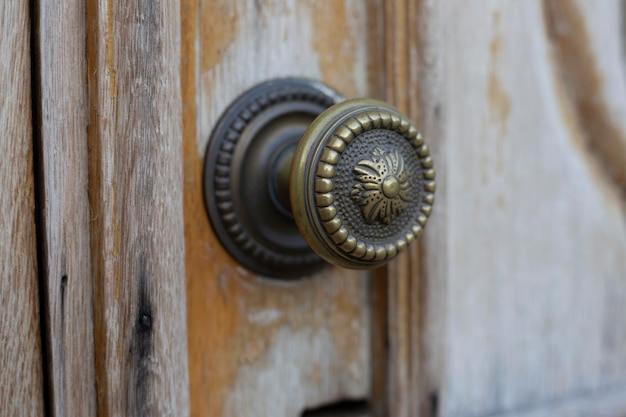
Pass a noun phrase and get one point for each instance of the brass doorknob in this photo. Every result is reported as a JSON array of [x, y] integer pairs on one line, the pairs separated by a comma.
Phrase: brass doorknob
[[362, 184], [293, 173]]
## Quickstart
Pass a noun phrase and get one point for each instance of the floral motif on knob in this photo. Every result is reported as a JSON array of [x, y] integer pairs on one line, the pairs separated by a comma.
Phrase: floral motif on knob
[[382, 188]]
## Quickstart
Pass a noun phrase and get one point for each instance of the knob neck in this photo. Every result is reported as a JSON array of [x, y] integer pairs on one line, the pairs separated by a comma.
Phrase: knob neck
[[279, 180]]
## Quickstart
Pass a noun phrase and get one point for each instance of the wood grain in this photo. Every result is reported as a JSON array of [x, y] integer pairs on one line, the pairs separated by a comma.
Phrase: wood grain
[[397, 44], [62, 118], [515, 297], [594, 83], [135, 147], [21, 378], [412, 82], [257, 346]]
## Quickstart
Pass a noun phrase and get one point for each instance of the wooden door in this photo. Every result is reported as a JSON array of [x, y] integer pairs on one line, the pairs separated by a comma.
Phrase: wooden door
[[513, 303]]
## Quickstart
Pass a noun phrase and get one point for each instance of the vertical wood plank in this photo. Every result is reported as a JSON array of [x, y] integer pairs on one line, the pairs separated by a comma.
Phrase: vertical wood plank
[[538, 295], [136, 200], [258, 346], [21, 378], [397, 42], [413, 84], [515, 299], [62, 118]]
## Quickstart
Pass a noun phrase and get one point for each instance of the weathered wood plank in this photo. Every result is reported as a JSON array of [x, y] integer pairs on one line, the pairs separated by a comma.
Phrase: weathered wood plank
[[397, 43], [523, 261], [135, 142], [259, 347], [21, 378], [62, 117]]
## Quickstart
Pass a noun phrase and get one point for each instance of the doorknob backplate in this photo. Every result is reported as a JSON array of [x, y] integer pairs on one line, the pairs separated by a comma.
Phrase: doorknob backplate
[[248, 210]]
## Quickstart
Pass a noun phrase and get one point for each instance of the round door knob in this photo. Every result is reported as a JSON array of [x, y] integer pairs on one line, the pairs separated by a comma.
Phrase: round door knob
[[294, 175], [362, 184]]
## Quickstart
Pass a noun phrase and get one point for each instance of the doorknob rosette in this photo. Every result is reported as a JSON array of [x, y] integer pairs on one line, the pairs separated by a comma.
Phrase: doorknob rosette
[[294, 176], [362, 184]]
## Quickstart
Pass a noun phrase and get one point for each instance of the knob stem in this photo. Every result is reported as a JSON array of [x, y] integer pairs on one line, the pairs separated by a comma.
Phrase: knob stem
[[281, 173]]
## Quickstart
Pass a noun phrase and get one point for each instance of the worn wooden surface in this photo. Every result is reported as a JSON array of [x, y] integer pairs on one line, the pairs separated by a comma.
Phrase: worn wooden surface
[[256, 346], [21, 378], [519, 308], [400, 41], [414, 282], [514, 299], [607, 403], [512, 305], [135, 145], [62, 115]]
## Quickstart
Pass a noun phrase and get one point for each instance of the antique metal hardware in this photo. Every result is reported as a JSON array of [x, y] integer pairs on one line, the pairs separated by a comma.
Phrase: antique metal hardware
[[295, 176]]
